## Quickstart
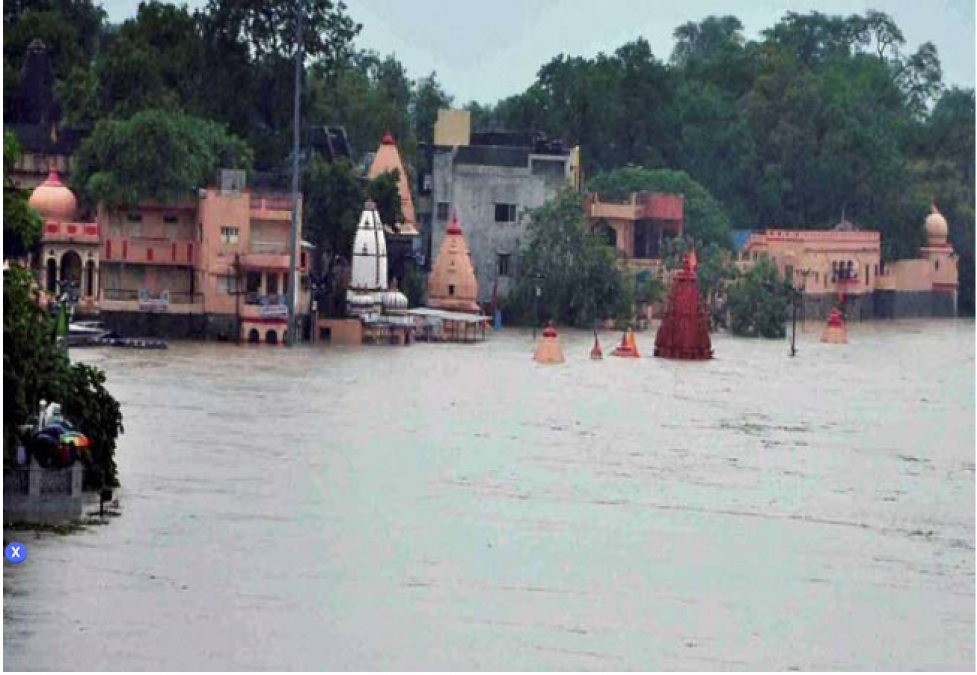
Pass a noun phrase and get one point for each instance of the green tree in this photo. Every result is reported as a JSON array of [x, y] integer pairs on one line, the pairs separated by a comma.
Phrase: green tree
[[428, 97], [758, 302], [705, 220], [577, 272], [156, 155], [334, 197], [156, 60], [21, 224], [385, 194]]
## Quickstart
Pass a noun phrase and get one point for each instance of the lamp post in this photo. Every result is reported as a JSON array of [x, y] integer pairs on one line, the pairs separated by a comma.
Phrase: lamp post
[[293, 232], [537, 291]]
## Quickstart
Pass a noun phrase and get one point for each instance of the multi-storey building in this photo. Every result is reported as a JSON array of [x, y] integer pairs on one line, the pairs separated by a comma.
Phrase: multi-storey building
[[638, 227], [845, 265], [490, 182], [213, 266]]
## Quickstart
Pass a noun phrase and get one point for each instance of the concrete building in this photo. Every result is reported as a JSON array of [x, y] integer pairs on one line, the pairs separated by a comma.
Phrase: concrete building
[[490, 182], [213, 266], [845, 264], [639, 227]]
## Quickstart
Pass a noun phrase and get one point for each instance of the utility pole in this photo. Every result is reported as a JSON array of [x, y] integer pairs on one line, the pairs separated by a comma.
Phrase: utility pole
[[294, 231]]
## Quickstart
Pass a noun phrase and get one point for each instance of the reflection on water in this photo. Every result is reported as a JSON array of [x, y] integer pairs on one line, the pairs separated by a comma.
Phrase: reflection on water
[[457, 506]]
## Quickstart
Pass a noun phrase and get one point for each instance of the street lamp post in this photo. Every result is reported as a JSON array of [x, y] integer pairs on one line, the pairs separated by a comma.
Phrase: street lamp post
[[293, 233], [537, 291]]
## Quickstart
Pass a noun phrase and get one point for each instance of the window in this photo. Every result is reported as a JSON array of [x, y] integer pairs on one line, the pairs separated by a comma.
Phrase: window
[[505, 213], [253, 282], [504, 266], [443, 210], [271, 284], [227, 284], [135, 224], [451, 289], [171, 218], [229, 235]]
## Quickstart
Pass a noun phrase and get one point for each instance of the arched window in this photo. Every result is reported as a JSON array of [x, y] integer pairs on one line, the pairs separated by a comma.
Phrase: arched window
[[254, 337], [271, 337]]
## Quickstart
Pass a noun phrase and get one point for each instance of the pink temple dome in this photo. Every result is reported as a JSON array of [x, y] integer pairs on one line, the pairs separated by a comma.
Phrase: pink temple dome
[[53, 200]]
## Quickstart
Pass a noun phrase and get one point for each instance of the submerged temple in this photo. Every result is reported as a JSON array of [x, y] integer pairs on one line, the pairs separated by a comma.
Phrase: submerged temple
[[452, 284], [684, 331]]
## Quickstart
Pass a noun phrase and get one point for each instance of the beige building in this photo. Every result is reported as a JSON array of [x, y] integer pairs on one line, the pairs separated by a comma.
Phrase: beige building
[[845, 265]]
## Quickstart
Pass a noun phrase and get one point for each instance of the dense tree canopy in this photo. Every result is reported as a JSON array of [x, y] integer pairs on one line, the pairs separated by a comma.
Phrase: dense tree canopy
[[821, 113], [576, 272], [155, 155]]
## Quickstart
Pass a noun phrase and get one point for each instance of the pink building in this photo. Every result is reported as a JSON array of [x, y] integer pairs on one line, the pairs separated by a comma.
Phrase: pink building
[[213, 266], [639, 227]]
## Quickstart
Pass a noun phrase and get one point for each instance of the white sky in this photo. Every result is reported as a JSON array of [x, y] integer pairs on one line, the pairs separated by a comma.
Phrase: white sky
[[490, 49]]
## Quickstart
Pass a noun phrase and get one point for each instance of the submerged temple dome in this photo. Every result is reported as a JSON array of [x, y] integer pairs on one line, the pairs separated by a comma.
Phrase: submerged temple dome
[[53, 200], [684, 331], [369, 252], [835, 332], [388, 159], [548, 350], [628, 347], [452, 284], [936, 227]]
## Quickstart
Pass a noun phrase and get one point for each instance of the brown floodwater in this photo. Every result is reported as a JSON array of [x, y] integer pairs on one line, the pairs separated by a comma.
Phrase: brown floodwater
[[460, 507]]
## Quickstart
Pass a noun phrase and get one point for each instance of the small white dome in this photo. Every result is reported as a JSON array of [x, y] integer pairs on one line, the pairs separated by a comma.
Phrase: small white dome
[[394, 301]]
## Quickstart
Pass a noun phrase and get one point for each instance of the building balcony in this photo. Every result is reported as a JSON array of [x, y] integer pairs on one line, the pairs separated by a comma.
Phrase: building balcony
[[267, 308], [142, 300], [640, 206], [272, 207], [270, 256], [150, 251], [70, 233]]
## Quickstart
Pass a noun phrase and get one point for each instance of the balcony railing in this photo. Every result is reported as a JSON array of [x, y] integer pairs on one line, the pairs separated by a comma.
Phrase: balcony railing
[[256, 298], [268, 247], [271, 203], [132, 295]]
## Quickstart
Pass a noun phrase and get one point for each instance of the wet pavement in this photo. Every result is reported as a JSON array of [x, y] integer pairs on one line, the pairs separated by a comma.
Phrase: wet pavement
[[460, 507]]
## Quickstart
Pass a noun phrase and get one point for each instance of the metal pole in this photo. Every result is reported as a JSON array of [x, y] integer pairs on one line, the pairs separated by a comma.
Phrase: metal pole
[[793, 330], [535, 311], [294, 231]]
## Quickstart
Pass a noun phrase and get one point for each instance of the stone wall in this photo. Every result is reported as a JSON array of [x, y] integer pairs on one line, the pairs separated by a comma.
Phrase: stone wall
[[884, 304], [42, 496], [171, 326]]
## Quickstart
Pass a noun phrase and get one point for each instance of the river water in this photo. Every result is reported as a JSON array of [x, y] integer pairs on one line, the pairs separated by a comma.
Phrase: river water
[[458, 506]]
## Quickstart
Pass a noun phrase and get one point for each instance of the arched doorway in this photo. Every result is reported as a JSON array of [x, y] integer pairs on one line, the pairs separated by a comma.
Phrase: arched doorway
[[254, 337], [607, 233], [71, 269], [90, 279], [271, 337], [51, 281]]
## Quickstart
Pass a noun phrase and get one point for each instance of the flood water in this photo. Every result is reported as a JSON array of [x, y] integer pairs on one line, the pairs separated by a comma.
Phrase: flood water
[[460, 507]]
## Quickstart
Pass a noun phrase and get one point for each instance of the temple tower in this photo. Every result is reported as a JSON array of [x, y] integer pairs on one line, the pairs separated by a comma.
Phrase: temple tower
[[388, 159], [452, 284]]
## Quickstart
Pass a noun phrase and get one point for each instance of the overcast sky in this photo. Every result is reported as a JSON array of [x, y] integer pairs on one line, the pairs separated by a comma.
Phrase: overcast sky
[[490, 49]]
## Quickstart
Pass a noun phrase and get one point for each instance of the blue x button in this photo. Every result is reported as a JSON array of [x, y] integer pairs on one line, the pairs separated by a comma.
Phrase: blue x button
[[15, 553]]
